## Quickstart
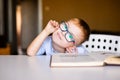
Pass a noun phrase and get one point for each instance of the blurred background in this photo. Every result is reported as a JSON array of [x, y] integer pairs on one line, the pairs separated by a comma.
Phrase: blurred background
[[22, 20]]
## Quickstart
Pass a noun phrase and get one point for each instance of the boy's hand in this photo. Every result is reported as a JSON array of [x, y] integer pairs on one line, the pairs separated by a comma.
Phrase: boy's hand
[[72, 49], [51, 26]]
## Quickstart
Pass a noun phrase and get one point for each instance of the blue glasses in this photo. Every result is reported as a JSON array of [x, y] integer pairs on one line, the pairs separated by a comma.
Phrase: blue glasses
[[68, 35]]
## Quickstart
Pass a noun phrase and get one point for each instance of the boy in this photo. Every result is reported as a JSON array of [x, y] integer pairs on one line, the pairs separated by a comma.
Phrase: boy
[[66, 37]]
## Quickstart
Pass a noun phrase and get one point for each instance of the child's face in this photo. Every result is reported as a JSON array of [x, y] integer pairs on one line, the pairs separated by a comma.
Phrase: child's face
[[67, 34]]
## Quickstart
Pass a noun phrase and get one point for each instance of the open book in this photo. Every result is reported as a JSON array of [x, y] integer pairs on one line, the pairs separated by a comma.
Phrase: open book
[[77, 60]]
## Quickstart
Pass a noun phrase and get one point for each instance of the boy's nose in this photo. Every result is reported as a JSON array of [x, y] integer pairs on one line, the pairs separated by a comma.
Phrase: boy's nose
[[62, 32]]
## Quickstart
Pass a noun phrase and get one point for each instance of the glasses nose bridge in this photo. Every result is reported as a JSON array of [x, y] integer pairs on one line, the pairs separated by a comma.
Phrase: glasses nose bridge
[[64, 32]]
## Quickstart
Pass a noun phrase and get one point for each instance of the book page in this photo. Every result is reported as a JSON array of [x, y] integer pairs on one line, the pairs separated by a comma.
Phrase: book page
[[113, 60], [109, 58], [75, 60]]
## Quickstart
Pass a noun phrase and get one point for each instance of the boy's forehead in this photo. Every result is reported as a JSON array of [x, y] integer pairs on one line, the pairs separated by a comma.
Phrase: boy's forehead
[[75, 30], [73, 26]]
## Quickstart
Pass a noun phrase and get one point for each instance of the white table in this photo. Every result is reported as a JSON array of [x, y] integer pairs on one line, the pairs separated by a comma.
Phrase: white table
[[23, 67]]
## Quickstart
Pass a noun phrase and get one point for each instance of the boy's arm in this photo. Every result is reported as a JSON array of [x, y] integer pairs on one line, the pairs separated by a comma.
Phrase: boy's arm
[[37, 42]]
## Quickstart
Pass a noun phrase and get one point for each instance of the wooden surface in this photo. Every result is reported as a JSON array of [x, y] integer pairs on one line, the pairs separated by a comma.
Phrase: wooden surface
[[5, 51]]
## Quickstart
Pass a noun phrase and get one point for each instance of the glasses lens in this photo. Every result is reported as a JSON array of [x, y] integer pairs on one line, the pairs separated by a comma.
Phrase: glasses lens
[[69, 37], [63, 26]]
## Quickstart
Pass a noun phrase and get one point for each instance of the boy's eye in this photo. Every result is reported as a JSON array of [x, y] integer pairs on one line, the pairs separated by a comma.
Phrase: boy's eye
[[63, 27], [70, 36]]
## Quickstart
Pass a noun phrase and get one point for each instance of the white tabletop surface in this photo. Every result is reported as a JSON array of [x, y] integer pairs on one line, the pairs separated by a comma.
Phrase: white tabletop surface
[[23, 67]]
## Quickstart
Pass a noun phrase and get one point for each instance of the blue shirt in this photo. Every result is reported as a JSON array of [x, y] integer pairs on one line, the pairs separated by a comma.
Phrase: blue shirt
[[47, 48]]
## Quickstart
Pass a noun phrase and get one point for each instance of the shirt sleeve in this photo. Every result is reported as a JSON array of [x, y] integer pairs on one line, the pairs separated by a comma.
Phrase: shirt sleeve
[[82, 50], [41, 49], [45, 47]]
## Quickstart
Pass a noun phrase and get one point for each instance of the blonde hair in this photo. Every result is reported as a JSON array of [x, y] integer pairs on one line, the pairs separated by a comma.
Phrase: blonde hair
[[84, 26]]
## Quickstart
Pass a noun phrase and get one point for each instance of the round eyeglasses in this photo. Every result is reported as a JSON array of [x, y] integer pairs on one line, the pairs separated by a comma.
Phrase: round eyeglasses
[[68, 35]]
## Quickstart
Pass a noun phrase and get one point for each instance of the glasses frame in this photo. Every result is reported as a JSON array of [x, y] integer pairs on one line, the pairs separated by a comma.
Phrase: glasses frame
[[67, 32]]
